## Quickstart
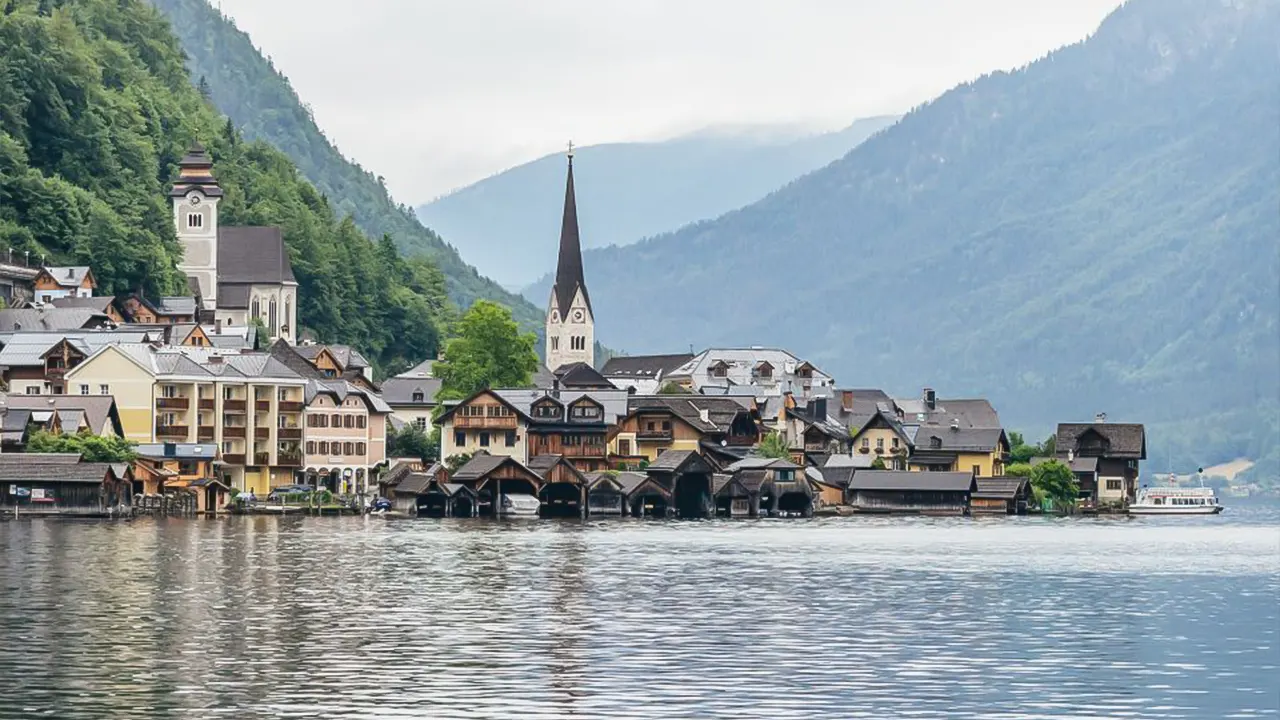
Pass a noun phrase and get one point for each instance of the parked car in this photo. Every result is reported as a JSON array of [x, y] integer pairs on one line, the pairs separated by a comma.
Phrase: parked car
[[520, 505]]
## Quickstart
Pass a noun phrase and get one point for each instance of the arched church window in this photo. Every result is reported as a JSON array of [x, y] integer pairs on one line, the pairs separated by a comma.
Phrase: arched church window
[[288, 311], [271, 317], [195, 220], [555, 343], [255, 308]]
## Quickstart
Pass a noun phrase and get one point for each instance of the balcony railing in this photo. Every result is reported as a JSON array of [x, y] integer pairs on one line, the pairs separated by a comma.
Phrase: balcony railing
[[235, 406], [289, 459], [262, 458], [171, 430], [501, 423], [233, 458], [173, 403], [208, 403], [204, 433], [654, 435], [290, 406], [233, 432], [262, 405], [289, 433], [262, 433], [581, 451]]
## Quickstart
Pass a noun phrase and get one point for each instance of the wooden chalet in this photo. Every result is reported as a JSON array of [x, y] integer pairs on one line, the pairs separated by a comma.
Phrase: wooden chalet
[[564, 489], [767, 486], [491, 476], [685, 475], [63, 484], [1105, 458], [605, 494], [644, 495], [183, 470], [894, 491], [1006, 495], [658, 424], [574, 426]]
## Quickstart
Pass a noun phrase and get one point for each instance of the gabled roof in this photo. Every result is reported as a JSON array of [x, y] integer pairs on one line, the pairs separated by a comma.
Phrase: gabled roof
[[69, 277], [1121, 440], [902, 480], [95, 411], [580, 375], [542, 465], [340, 390], [1001, 488], [100, 303], [252, 256], [569, 276], [500, 395], [721, 411], [959, 440], [762, 463], [679, 461], [51, 468], [400, 390], [51, 319], [971, 412], [345, 355], [613, 401], [643, 366]]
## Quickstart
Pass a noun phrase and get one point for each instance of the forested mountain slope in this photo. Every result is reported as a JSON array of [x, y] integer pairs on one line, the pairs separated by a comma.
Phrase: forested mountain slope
[[96, 108], [246, 87], [1095, 232], [627, 191]]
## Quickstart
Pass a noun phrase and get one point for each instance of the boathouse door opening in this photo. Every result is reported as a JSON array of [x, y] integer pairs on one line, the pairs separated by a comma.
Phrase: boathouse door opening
[[692, 495], [795, 503], [561, 500]]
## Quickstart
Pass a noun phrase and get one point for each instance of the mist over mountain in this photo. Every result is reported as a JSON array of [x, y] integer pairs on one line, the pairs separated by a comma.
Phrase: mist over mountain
[[1097, 231], [508, 224]]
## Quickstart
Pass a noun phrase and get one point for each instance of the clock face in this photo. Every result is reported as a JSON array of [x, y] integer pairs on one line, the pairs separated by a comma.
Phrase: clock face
[[577, 316], [193, 199], [555, 316]]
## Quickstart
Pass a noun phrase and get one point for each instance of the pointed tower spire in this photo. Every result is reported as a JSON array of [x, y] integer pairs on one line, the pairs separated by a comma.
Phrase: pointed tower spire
[[569, 277]]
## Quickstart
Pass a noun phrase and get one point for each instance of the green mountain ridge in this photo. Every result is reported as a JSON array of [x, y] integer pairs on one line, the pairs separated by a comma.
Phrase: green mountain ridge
[[628, 191], [1094, 232], [245, 86], [96, 108]]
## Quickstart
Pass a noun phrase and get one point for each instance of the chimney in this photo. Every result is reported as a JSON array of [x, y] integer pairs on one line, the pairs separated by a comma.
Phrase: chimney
[[1100, 418], [555, 386], [818, 408], [71, 273], [930, 399], [846, 400]]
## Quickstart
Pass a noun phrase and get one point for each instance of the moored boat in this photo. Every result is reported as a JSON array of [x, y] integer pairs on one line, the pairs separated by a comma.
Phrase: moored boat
[[1176, 501]]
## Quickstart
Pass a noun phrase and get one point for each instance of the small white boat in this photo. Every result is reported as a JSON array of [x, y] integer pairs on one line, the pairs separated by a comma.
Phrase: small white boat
[[1176, 501], [520, 505]]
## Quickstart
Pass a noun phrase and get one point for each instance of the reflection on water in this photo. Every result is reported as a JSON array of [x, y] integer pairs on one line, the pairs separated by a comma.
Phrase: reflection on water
[[834, 618]]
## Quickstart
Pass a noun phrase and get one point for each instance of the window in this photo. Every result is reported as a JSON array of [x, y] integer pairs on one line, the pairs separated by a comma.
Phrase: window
[[511, 438], [324, 447], [226, 447], [228, 393], [977, 470], [866, 443], [311, 447], [84, 389], [349, 421], [1113, 485], [880, 443], [895, 442], [168, 391], [585, 412], [624, 447], [104, 389], [666, 425], [360, 421], [335, 420], [935, 442], [418, 396], [273, 325], [420, 423], [484, 439], [348, 448], [255, 309], [195, 220], [360, 447], [460, 439], [555, 343], [33, 389]]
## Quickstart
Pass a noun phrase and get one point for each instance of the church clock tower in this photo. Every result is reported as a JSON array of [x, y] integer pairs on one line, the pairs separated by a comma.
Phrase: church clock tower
[[195, 197], [571, 335]]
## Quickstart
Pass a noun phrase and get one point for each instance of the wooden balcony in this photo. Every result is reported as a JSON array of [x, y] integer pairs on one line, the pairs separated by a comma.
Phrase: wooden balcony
[[742, 440], [233, 432], [262, 433], [208, 404], [262, 405], [485, 423], [262, 458], [233, 406], [289, 459], [290, 406], [173, 403], [654, 435], [171, 431], [233, 458], [585, 451], [204, 433], [289, 433]]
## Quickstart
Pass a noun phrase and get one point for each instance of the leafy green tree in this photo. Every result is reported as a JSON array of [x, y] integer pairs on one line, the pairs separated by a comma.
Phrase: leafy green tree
[[453, 462], [671, 388], [1018, 470], [1055, 481], [412, 442], [774, 446], [489, 351], [878, 464], [93, 448]]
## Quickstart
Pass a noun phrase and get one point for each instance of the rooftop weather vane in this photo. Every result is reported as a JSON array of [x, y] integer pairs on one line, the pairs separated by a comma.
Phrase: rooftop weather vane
[[570, 149]]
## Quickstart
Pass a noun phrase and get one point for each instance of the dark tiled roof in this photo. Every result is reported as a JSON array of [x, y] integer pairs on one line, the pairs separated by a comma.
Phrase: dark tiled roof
[[961, 440], [97, 410], [629, 481], [839, 476], [1121, 440], [480, 465], [398, 472], [51, 467], [569, 276], [99, 303], [581, 375], [400, 390], [644, 366], [720, 410], [233, 297], [1000, 488], [899, 480], [51, 318], [252, 255], [670, 460], [413, 484]]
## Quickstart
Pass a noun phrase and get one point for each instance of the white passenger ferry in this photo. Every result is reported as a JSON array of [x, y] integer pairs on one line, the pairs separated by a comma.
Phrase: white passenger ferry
[[1176, 501]]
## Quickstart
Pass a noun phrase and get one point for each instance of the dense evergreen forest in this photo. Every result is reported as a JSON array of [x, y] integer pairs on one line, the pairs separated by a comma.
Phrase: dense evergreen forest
[[260, 101], [96, 108]]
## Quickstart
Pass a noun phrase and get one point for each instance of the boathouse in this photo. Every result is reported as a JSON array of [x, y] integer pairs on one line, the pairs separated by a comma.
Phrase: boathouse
[[773, 487], [896, 491], [1007, 495], [686, 477], [63, 484], [645, 496], [489, 477], [412, 494], [564, 488], [605, 495]]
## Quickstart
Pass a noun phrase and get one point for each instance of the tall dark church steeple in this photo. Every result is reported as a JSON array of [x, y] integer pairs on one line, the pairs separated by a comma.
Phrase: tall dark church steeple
[[570, 321]]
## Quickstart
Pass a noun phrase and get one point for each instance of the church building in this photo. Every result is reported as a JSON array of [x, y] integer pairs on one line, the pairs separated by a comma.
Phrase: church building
[[571, 336], [241, 272]]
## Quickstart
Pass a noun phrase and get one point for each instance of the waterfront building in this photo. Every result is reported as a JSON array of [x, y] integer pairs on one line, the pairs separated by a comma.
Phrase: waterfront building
[[181, 469], [810, 432], [52, 283], [62, 484], [242, 273], [658, 424], [977, 451], [488, 477], [249, 404], [1008, 495], [880, 435], [570, 322], [345, 435], [21, 414], [412, 396], [893, 491], [1105, 458]]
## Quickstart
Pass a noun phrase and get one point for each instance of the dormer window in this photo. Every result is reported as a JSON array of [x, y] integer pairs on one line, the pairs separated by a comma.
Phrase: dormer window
[[419, 396], [935, 442], [546, 411], [585, 412], [195, 220]]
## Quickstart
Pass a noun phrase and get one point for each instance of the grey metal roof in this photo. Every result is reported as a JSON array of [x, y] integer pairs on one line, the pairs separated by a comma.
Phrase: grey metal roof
[[50, 468], [340, 390], [900, 480], [762, 462], [97, 411], [177, 305], [1000, 488], [181, 451], [252, 256], [68, 277], [51, 318], [400, 390], [971, 412], [720, 411], [958, 440], [741, 365], [413, 483], [97, 302], [614, 402], [644, 366], [481, 465]]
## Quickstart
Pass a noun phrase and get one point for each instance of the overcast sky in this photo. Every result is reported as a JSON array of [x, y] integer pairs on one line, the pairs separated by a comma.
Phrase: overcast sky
[[435, 94]]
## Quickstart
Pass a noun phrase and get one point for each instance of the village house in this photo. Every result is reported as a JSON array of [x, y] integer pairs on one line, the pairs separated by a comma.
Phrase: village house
[[412, 396], [767, 371], [643, 374], [977, 451], [17, 282], [894, 491], [60, 414], [930, 410], [346, 435], [810, 432], [63, 484], [249, 404], [657, 424], [1008, 495], [183, 469], [36, 363], [1105, 458], [136, 308], [52, 283], [880, 435], [243, 273], [765, 486]]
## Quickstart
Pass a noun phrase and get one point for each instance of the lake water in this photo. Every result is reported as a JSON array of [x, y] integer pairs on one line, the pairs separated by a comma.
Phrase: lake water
[[823, 618]]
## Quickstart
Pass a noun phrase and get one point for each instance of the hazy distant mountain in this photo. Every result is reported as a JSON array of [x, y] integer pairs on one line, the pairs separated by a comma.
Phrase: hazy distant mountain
[[509, 224], [1098, 231]]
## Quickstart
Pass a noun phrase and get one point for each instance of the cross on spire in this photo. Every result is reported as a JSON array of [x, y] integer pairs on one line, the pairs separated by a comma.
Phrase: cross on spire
[[570, 149]]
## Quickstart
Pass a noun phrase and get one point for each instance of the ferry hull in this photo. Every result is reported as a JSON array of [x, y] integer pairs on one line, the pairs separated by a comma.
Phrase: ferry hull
[[1175, 510]]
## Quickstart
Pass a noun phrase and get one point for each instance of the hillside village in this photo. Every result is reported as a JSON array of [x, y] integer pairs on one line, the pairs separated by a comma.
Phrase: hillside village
[[231, 407]]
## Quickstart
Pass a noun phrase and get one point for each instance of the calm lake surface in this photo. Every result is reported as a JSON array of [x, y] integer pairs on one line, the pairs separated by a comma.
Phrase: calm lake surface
[[824, 618]]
